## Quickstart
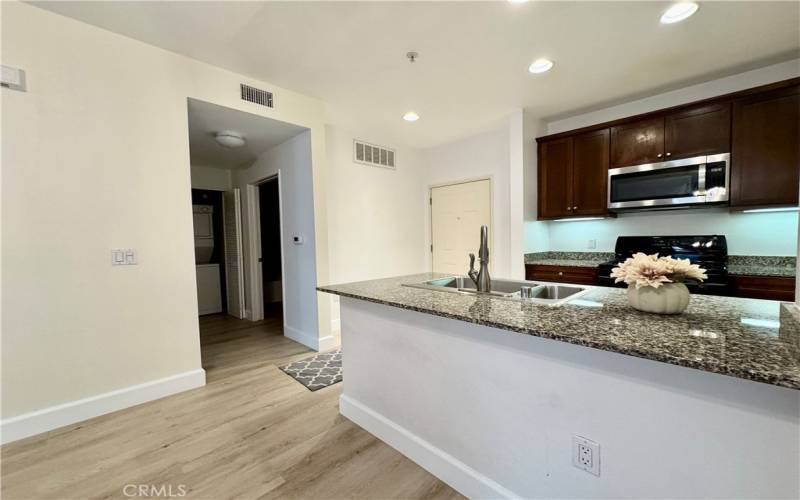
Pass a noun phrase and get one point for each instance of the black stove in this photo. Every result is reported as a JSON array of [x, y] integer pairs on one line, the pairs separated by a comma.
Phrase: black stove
[[710, 252]]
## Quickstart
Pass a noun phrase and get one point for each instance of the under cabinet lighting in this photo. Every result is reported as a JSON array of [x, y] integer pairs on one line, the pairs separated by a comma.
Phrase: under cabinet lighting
[[761, 323], [678, 12], [578, 218], [767, 210]]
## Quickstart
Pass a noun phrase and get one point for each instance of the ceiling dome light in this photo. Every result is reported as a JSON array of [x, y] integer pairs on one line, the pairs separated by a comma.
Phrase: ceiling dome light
[[678, 12], [410, 116], [229, 139], [540, 66]]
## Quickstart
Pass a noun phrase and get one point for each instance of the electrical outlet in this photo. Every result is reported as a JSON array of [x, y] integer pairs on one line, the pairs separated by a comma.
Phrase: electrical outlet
[[591, 244], [586, 454]]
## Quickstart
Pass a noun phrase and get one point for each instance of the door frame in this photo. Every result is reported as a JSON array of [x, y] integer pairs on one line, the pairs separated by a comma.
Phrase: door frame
[[429, 205], [254, 278]]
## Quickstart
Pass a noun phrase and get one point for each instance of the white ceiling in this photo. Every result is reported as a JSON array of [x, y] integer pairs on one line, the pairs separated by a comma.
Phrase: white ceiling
[[261, 134], [474, 56]]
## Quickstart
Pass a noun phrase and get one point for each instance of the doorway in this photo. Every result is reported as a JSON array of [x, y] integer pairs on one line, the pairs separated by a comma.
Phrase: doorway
[[270, 258], [457, 213]]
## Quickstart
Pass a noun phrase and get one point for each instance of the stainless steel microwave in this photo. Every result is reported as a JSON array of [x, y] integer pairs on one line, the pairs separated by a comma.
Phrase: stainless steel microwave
[[669, 184]]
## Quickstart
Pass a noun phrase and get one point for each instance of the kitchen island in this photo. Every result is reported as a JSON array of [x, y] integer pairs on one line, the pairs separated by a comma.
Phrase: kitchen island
[[487, 393]]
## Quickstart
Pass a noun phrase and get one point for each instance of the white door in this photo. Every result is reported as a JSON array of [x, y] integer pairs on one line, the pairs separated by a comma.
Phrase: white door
[[234, 261], [457, 213]]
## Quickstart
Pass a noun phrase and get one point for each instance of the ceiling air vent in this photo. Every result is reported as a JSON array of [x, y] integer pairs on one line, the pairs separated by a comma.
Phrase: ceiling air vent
[[376, 156], [257, 96]]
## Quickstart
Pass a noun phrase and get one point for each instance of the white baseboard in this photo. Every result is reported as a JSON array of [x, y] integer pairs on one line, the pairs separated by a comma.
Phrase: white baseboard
[[458, 475], [36, 422], [310, 341]]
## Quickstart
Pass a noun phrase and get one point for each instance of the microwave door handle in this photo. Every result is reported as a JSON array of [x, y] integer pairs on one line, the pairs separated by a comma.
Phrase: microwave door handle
[[701, 179]]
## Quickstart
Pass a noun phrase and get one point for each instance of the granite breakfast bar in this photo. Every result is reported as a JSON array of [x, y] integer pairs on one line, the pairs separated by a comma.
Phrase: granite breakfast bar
[[687, 406]]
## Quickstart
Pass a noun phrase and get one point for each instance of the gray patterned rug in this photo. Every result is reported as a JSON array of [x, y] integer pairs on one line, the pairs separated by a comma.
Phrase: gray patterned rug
[[318, 371]]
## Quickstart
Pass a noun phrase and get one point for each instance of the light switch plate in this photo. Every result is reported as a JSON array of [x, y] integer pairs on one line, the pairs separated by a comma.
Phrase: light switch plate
[[12, 78], [123, 257]]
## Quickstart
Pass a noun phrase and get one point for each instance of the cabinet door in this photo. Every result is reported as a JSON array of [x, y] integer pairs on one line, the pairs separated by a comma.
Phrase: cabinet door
[[765, 154], [590, 173], [555, 178], [637, 142], [703, 130]]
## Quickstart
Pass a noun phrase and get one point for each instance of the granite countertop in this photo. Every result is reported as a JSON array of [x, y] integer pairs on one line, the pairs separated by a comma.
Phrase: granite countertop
[[570, 259], [757, 265], [746, 338], [738, 265]]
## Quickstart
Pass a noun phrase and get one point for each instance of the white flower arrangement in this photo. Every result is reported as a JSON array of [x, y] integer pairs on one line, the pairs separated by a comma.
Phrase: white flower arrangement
[[651, 270]]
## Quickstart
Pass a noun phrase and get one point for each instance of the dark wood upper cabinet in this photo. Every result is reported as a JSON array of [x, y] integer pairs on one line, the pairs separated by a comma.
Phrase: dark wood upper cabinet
[[703, 130], [555, 166], [573, 173], [637, 142], [765, 155], [759, 127], [590, 173]]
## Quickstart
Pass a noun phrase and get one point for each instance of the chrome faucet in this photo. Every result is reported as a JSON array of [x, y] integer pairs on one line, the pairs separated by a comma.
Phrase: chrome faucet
[[483, 282]]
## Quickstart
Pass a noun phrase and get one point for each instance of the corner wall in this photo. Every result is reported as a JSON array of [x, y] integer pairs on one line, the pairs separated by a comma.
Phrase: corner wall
[[96, 156], [292, 159], [374, 214]]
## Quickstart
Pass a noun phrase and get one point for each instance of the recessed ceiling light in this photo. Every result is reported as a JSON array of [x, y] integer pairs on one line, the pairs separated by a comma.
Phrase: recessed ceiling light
[[540, 66], [518, 1], [410, 116], [229, 139], [678, 12]]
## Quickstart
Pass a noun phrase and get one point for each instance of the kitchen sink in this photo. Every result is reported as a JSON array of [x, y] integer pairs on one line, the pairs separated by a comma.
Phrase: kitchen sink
[[552, 294]]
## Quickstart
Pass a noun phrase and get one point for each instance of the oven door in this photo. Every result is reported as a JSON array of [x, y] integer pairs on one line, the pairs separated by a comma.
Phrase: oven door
[[699, 180]]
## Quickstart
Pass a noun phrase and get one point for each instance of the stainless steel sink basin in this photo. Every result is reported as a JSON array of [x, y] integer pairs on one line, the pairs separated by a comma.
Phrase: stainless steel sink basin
[[552, 294]]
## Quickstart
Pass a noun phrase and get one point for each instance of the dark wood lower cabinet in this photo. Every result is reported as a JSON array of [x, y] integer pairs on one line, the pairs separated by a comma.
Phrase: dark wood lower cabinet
[[561, 274], [764, 287]]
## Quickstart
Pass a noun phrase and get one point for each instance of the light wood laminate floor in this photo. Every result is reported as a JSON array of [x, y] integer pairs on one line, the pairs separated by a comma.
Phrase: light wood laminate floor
[[251, 432]]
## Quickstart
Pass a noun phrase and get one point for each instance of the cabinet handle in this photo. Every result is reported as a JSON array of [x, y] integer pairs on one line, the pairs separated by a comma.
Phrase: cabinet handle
[[658, 155], [560, 273], [669, 154], [574, 208], [569, 208]]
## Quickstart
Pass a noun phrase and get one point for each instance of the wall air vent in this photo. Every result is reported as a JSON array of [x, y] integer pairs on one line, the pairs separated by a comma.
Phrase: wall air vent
[[375, 156], [257, 96]]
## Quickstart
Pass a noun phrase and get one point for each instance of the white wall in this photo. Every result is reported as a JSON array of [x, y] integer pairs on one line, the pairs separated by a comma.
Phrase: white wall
[[96, 156], [215, 179], [748, 234], [375, 214], [484, 155], [293, 159], [513, 403]]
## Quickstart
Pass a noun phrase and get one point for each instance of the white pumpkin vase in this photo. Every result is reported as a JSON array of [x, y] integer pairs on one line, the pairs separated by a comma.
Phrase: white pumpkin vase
[[655, 284], [669, 298]]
